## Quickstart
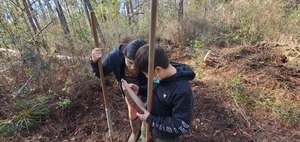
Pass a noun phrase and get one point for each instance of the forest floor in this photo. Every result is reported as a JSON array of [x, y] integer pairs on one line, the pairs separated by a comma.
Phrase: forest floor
[[216, 117]]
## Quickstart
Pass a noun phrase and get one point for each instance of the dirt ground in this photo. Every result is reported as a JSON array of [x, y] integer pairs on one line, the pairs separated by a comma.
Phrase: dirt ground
[[215, 119]]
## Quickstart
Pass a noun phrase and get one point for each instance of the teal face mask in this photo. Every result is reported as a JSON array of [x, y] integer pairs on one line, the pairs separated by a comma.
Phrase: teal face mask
[[155, 79]]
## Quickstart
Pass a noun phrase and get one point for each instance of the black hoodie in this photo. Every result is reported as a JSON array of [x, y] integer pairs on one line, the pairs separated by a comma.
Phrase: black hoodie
[[172, 104]]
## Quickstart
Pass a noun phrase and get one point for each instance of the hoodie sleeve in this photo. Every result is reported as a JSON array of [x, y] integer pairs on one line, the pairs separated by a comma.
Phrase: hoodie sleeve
[[181, 117], [108, 64]]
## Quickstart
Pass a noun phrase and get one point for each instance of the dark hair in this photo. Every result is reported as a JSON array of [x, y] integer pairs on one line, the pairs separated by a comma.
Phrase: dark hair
[[132, 47], [142, 57]]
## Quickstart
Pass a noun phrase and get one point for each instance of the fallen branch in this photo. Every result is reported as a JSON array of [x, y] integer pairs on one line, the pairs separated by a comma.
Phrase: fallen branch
[[41, 30], [241, 110], [17, 92]]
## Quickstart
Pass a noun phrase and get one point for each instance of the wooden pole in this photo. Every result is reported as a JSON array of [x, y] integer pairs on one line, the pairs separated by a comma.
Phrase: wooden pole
[[151, 61], [107, 109]]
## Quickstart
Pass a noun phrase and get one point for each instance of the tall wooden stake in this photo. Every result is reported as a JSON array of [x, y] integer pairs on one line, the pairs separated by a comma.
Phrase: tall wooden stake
[[151, 60], [107, 109]]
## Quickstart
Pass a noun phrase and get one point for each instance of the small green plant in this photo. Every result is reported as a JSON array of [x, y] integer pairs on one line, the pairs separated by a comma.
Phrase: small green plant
[[235, 84], [28, 113], [67, 86], [265, 102], [63, 102], [289, 110], [6, 126], [197, 43], [295, 14], [238, 91], [291, 116], [198, 51]]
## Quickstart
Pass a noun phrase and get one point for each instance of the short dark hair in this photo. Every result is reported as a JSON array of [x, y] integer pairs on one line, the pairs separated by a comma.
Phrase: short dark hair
[[142, 57], [132, 47]]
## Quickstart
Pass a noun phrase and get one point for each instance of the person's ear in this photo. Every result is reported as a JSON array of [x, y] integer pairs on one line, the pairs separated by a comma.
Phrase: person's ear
[[157, 70]]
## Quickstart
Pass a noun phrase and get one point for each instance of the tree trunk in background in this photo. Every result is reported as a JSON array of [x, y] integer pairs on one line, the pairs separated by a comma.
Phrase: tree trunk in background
[[87, 11], [131, 11], [180, 18], [4, 26], [29, 16], [68, 10], [180, 11], [103, 14], [42, 9], [128, 5], [63, 22], [17, 7], [50, 10], [90, 8], [33, 15], [13, 22], [293, 4], [88, 4]]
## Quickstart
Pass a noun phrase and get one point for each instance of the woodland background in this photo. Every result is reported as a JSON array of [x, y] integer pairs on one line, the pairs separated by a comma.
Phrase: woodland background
[[249, 93]]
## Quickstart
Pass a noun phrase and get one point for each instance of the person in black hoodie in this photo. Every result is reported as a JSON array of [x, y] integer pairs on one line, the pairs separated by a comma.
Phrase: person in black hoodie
[[120, 61], [172, 101]]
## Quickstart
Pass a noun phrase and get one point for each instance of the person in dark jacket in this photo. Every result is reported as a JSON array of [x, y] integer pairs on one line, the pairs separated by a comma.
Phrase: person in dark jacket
[[121, 61], [172, 100]]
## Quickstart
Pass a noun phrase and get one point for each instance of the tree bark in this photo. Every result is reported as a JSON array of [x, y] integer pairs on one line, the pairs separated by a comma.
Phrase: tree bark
[[63, 22], [50, 10], [33, 15], [87, 12], [131, 11], [90, 8], [17, 6], [29, 16], [212, 59], [68, 10], [42, 9], [128, 5], [180, 18]]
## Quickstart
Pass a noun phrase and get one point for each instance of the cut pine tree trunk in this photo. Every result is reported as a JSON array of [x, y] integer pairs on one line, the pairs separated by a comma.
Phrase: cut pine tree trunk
[[212, 59]]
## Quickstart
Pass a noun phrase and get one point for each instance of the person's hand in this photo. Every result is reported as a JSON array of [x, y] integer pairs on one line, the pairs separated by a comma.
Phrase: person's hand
[[143, 116], [134, 88], [96, 54]]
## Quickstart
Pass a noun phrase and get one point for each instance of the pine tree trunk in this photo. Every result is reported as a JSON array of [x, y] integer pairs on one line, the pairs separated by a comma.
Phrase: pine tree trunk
[[212, 59], [23, 17], [131, 11], [63, 22], [88, 4], [87, 12], [33, 15], [42, 9], [180, 18], [50, 10], [29, 16]]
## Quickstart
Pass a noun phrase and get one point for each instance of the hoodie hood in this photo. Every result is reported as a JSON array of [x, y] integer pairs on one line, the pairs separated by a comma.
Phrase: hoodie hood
[[184, 72]]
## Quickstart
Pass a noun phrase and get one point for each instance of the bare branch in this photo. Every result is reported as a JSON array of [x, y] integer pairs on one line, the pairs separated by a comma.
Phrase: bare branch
[[41, 30], [18, 91]]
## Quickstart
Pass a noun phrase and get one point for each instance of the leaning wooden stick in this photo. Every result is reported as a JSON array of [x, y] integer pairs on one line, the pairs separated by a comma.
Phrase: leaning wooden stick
[[151, 61], [107, 109]]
